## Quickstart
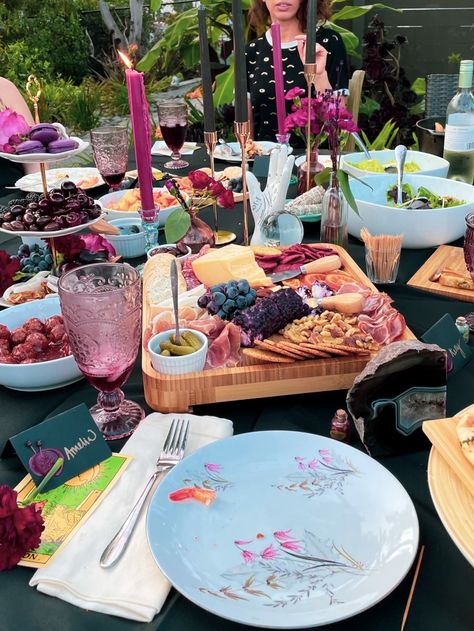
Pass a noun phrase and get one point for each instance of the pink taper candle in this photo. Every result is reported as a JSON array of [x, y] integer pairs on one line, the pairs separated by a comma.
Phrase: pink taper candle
[[278, 75], [141, 129]]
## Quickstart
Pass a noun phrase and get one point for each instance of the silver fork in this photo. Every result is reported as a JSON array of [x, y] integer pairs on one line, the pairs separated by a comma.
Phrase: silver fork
[[171, 454]]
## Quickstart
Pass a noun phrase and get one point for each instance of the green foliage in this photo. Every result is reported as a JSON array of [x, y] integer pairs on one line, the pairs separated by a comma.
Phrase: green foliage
[[83, 112], [384, 139], [18, 61], [368, 106], [454, 58], [176, 226], [43, 38]]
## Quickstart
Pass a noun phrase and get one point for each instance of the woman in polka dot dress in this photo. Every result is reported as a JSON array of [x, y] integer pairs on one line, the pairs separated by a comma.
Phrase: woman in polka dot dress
[[331, 58]]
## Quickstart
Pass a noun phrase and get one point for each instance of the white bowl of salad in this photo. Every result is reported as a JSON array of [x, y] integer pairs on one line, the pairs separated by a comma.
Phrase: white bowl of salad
[[433, 211], [419, 162]]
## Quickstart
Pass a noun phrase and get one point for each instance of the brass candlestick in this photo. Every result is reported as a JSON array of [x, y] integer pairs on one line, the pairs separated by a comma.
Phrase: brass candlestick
[[310, 76], [33, 89], [221, 236], [242, 132]]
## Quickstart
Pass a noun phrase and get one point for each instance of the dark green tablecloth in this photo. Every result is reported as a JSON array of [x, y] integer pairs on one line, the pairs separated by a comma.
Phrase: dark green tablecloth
[[443, 597]]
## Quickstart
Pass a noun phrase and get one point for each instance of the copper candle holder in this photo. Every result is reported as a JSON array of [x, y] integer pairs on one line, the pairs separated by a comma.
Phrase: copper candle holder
[[221, 236], [242, 133], [310, 76]]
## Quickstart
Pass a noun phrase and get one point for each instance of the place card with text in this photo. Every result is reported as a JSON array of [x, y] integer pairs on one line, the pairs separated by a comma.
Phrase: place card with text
[[72, 436], [445, 334]]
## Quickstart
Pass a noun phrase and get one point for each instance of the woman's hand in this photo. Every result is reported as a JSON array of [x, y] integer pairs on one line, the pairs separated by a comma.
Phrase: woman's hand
[[321, 54]]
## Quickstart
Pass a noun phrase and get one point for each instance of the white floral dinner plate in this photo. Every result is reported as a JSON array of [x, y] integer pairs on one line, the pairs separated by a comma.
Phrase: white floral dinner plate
[[304, 531], [84, 177], [27, 158], [221, 153]]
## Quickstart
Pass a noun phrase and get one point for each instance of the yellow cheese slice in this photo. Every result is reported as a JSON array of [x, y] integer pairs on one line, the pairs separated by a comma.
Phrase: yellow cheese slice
[[232, 262]]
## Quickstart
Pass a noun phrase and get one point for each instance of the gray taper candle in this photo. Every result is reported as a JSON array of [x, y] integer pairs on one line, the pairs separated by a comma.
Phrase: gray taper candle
[[311, 19], [208, 103]]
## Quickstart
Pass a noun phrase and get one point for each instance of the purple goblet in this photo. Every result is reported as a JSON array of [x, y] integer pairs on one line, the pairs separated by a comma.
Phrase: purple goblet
[[101, 307]]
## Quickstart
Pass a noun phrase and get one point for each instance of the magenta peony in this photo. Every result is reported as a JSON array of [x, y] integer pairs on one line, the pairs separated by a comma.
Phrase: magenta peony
[[20, 528], [95, 243], [11, 124]]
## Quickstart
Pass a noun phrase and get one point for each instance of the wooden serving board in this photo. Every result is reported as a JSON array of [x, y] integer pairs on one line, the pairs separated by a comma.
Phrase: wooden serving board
[[445, 256], [442, 434], [180, 393]]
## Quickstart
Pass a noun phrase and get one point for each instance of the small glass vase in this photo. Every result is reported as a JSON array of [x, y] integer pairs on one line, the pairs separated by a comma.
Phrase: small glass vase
[[198, 234], [334, 214], [469, 244], [302, 170]]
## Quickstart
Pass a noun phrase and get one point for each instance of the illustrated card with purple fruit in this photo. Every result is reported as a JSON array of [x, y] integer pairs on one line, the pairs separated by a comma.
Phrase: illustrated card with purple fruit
[[61, 447], [66, 507]]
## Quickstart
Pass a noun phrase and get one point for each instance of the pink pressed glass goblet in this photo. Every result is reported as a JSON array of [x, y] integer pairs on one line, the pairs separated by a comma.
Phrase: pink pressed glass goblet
[[101, 307], [110, 149]]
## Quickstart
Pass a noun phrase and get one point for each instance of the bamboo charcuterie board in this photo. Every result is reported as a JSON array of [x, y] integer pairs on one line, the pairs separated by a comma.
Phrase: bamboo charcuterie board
[[180, 393], [446, 256], [443, 436]]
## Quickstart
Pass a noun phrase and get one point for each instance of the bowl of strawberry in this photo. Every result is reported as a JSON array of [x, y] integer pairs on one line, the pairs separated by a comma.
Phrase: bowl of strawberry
[[34, 348]]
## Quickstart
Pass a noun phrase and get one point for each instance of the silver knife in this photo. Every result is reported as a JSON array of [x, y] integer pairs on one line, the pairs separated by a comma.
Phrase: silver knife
[[325, 264]]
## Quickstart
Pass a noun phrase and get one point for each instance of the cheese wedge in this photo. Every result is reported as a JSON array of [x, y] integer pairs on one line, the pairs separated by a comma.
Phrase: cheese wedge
[[232, 262], [453, 279]]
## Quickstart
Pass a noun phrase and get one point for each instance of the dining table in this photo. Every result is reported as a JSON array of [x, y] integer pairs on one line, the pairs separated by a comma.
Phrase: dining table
[[442, 599]]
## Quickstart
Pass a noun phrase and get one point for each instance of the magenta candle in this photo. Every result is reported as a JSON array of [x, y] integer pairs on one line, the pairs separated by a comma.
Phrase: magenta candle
[[278, 74], [141, 129]]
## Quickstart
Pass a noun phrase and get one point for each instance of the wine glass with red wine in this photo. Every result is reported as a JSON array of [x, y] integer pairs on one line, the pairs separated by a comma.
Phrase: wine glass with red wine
[[110, 149], [173, 120]]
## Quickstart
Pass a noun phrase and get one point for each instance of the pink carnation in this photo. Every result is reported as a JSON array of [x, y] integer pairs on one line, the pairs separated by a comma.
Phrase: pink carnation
[[20, 528]]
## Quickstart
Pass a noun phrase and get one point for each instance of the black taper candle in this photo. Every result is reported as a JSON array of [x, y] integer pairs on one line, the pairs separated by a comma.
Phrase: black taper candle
[[310, 55], [208, 103], [240, 66]]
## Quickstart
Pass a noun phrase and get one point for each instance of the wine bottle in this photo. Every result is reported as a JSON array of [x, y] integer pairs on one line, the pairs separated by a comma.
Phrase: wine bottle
[[459, 132]]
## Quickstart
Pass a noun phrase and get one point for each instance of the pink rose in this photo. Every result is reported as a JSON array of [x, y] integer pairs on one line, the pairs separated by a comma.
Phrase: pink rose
[[226, 199], [199, 179], [95, 243], [11, 123]]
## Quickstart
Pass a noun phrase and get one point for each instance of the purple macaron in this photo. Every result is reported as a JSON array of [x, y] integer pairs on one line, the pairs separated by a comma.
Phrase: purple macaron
[[64, 144], [30, 146], [44, 132]]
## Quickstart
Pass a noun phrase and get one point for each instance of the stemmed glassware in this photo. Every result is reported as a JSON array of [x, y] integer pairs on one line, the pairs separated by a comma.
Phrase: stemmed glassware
[[101, 307], [173, 121], [110, 149]]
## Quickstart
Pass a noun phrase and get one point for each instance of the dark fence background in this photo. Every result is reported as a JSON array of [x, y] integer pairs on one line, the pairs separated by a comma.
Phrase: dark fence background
[[434, 30]]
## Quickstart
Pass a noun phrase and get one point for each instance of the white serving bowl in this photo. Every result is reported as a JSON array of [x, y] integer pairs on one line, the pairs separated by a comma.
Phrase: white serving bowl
[[421, 228], [128, 245], [179, 365], [157, 248], [120, 214], [428, 163], [48, 375]]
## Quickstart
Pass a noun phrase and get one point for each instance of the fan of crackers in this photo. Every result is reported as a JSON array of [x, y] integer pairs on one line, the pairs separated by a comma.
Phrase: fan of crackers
[[320, 336]]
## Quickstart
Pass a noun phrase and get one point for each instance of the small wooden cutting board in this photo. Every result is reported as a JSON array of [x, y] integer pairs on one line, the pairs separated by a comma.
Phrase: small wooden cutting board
[[445, 256]]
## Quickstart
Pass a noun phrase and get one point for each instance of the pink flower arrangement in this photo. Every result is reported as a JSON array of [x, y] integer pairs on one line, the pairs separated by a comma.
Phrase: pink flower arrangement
[[13, 129], [20, 528], [328, 118]]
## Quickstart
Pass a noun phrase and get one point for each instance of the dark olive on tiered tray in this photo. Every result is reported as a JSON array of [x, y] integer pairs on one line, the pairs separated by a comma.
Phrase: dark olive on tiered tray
[[64, 207]]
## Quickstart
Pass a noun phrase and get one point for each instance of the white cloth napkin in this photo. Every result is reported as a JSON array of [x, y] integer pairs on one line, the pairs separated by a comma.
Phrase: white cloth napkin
[[160, 148], [134, 588]]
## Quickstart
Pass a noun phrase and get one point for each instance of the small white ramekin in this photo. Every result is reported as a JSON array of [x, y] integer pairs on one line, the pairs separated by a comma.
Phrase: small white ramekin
[[181, 364], [156, 250], [129, 246]]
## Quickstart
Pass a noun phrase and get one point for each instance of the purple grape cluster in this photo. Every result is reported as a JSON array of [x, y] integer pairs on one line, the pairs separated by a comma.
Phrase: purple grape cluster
[[225, 299], [62, 208]]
